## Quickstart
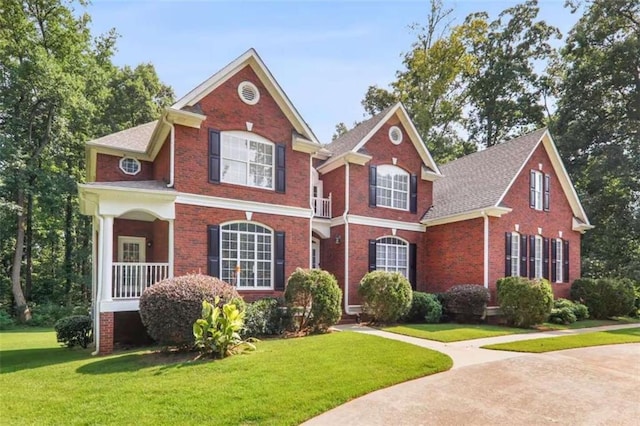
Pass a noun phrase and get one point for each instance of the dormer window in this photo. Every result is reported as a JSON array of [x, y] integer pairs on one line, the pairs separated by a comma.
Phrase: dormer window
[[392, 187], [130, 166]]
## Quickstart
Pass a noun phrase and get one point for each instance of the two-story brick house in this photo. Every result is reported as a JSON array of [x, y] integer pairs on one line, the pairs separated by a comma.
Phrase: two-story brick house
[[232, 182]]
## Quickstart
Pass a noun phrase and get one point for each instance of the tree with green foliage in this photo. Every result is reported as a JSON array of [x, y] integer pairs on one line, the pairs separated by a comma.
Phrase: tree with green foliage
[[504, 89], [597, 129]]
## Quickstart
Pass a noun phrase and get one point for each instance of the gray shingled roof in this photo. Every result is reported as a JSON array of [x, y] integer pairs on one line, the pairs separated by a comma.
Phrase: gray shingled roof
[[478, 180], [133, 139], [154, 185], [349, 140]]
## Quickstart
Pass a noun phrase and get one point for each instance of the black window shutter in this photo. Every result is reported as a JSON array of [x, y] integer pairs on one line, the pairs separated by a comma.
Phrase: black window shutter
[[507, 254], [213, 250], [214, 156], [532, 256], [547, 187], [545, 258], [281, 176], [413, 194], [372, 255], [565, 258], [279, 261], [524, 260], [373, 177], [532, 189], [412, 265], [554, 257]]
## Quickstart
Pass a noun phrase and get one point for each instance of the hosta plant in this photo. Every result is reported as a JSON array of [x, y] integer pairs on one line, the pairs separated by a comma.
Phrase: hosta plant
[[217, 332]]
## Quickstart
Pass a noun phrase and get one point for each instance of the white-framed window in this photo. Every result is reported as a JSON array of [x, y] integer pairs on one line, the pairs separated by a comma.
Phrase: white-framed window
[[248, 92], [538, 257], [392, 255], [536, 189], [247, 255], [515, 254], [130, 166], [247, 160], [392, 187], [559, 260]]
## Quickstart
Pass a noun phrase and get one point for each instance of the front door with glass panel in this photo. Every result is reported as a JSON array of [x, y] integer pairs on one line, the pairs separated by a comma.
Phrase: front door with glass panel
[[128, 279], [315, 253]]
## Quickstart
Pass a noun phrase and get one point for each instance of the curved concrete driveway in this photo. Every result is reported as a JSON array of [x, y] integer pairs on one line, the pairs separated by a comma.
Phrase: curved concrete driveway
[[589, 386]]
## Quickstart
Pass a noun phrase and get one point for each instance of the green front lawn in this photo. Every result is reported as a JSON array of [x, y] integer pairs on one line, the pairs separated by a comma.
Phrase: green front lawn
[[283, 382], [588, 323], [448, 332], [627, 335]]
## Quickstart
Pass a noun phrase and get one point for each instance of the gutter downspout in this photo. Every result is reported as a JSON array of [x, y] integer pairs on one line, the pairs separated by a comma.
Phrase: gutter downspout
[[345, 218], [312, 210], [486, 250], [96, 312], [172, 154]]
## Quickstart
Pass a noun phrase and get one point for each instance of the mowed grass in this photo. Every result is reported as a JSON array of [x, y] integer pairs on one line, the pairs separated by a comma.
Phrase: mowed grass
[[284, 382], [589, 323], [549, 344], [449, 332]]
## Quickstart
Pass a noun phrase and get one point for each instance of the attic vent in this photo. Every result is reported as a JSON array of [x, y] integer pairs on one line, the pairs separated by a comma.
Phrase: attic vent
[[395, 135], [248, 93]]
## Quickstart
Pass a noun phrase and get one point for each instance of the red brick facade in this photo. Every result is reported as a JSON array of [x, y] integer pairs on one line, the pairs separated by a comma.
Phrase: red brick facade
[[108, 170], [106, 333]]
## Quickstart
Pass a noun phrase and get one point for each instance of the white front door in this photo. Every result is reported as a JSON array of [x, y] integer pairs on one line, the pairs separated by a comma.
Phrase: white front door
[[132, 249], [315, 253]]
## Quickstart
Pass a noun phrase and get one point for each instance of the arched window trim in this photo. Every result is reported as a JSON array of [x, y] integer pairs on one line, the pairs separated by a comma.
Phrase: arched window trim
[[249, 278], [385, 195], [394, 260]]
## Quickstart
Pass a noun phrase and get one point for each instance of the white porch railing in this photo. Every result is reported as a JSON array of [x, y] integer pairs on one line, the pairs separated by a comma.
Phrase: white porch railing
[[131, 279], [322, 207]]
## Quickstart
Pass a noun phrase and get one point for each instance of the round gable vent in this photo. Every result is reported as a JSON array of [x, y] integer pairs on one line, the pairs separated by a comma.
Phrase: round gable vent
[[395, 135], [248, 93]]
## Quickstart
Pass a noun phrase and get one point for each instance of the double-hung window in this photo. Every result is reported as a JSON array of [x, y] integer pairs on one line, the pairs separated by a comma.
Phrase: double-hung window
[[538, 257], [247, 255], [392, 187], [247, 161], [536, 180], [515, 254], [392, 255], [559, 261]]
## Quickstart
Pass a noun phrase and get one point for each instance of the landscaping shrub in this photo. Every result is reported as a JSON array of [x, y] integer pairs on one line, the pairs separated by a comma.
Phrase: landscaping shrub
[[169, 308], [562, 315], [523, 302], [47, 314], [75, 330], [386, 296], [313, 297], [636, 305], [605, 297], [6, 321], [217, 331], [580, 311], [467, 302], [425, 307], [265, 317]]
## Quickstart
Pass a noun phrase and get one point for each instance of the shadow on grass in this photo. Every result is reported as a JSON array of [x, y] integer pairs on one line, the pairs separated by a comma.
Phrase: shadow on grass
[[22, 359], [138, 361]]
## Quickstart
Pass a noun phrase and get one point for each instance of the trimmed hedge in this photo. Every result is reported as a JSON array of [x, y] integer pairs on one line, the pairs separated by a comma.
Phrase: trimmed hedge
[[605, 297], [265, 317], [314, 297], [386, 296], [467, 302], [425, 307], [524, 302], [580, 311], [169, 308], [76, 330]]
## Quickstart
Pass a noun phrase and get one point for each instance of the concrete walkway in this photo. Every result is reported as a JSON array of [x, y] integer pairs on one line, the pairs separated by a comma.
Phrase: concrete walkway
[[596, 385]]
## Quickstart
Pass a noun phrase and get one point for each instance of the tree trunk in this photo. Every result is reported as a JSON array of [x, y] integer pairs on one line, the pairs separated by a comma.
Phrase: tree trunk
[[22, 310], [28, 279], [68, 248]]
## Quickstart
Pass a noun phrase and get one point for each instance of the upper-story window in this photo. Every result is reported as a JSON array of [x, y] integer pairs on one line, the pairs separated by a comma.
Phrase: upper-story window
[[392, 187], [247, 161], [539, 186], [130, 166]]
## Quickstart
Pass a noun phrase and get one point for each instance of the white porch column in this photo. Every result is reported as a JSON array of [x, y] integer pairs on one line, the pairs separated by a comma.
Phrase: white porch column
[[171, 243], [107, 259]]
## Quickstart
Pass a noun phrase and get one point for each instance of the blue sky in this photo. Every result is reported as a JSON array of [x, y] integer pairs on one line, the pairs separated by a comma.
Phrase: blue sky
[[324, 54]]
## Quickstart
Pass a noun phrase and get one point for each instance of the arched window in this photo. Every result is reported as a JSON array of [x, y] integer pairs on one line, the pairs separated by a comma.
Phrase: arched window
[[392, 255], [392, 187], [247, 255]]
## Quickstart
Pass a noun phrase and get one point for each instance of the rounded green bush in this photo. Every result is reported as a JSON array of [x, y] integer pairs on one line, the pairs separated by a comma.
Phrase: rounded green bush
[[562, 315], [523, 302], [580, 311], [74, 330], [425, 307], [314, 297], [605, 297], [169, 308], [264, 317], [466, 302], [386, 296]]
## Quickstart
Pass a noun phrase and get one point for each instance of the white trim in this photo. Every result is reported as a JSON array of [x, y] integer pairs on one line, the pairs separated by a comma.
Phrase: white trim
[[315, 241], [107, 258], [120, 305], [392, 130], [382, 223], [576, 225], [142, 241], [252, 59], [255, 260], [123, 169], [426, 174], [171, 242], [301, 144], [340, 160], [345, 218], [242, 205], [473, 214]]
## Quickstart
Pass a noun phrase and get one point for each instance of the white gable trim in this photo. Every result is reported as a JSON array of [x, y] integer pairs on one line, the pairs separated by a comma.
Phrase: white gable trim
[[417, 141], [252, 59], [565, 181], [472, 214]]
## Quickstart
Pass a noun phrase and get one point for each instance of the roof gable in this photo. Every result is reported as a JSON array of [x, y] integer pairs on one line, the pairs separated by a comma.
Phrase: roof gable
[[252, 59]]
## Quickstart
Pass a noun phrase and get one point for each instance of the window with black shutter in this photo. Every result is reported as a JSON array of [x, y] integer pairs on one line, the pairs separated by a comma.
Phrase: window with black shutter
[[372, 255], [507, 254], [213, 250], [214, 156], [547, 188], [279, 260], [565, 271], [545, 258], [524, 258], [554, 259], [413, 194], [413, 265], [281, 176], [373, 174]]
